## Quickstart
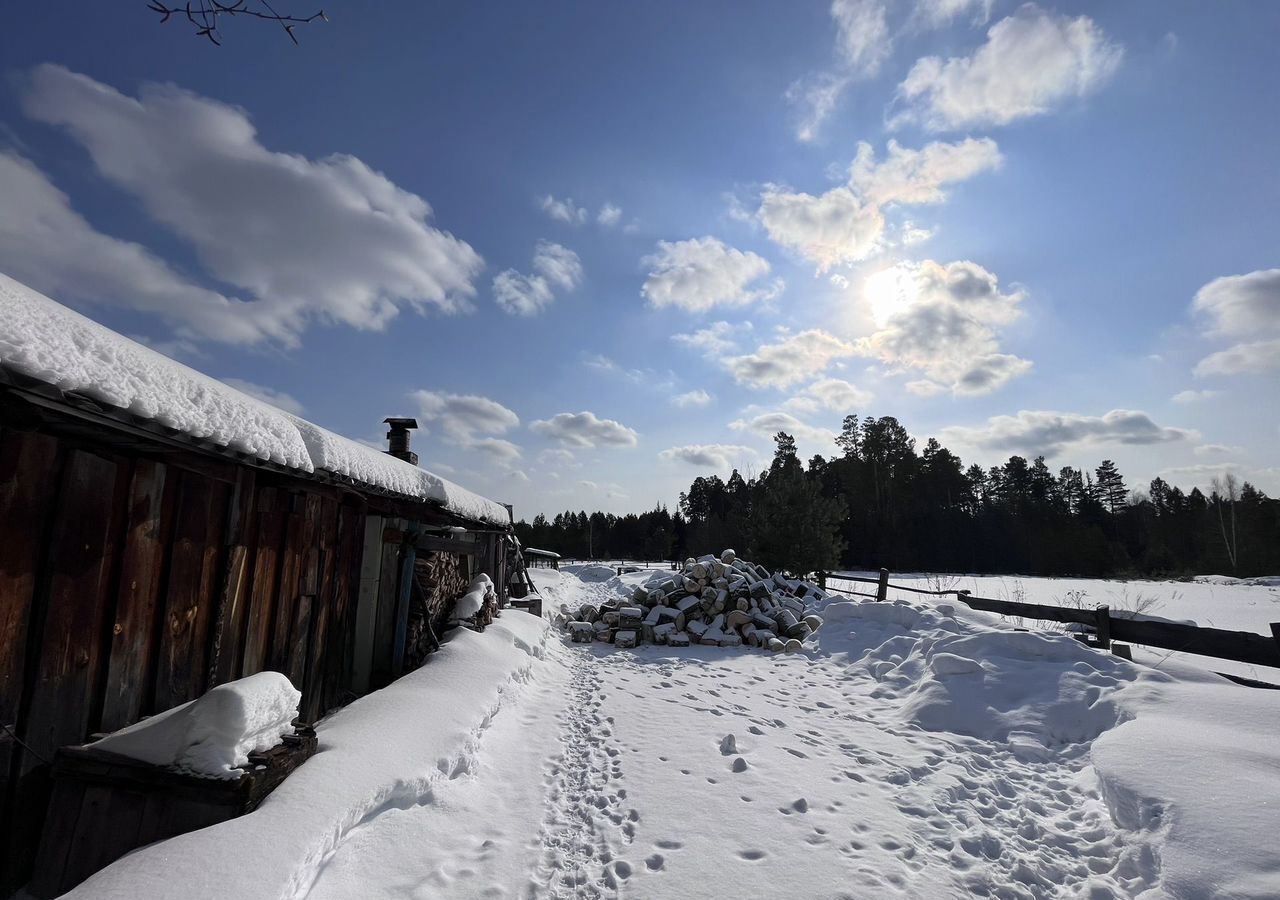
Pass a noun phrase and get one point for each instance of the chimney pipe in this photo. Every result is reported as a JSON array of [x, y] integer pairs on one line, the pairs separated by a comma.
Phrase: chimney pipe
[[398, 439]]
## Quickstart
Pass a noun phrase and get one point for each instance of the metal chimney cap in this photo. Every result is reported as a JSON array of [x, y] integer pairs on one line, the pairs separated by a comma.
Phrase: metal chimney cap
[[401, 422]]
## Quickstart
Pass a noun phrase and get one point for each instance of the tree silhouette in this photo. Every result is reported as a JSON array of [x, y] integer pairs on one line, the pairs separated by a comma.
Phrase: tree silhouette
[[205, 16]]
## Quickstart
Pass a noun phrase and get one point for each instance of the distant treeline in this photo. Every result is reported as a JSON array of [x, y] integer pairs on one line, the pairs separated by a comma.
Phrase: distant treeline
[[883, 504]]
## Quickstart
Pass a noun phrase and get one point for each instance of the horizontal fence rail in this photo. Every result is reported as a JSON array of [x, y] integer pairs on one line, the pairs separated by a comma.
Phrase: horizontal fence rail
[[1238, 646]]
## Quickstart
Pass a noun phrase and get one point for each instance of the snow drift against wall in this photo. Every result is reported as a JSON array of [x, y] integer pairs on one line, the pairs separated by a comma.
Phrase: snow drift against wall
[[214, 734], [44, 340]]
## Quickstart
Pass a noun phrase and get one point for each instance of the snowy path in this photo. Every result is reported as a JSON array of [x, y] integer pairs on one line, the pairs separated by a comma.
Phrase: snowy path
[[914, 751], [715, 773]]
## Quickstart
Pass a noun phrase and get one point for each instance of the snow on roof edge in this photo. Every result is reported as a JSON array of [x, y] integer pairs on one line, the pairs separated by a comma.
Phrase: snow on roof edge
[[44, 340]]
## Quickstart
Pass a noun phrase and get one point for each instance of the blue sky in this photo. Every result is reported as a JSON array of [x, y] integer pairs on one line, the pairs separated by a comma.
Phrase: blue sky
[[599, 250]]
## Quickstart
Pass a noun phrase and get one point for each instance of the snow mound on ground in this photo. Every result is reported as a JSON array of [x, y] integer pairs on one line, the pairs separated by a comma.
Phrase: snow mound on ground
[[1197, 765], [214, 734], [592, 573], [964, 676]]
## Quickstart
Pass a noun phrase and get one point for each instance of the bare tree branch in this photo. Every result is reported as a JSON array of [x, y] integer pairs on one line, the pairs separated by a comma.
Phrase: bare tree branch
[[204, 16]]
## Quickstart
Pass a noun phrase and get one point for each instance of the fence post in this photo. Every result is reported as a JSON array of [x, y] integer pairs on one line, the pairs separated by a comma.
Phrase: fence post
[[882, 589], [822, 581], [1103, 627]]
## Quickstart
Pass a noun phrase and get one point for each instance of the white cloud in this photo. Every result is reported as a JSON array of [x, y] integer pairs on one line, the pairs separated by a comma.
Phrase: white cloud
[[328, 239], [1202, 475], [829, 229], [1032, 61], [556, 457], [1193, 396], [911, 234], [499, 450], [717, 338], [585, 429], [609, 215], [862, 34], [789, 361], [847, 224], [942, 320], [862, 45], [838, 395], [692, 398], [1216, 450], [1237, 306], [555, 268], [768, 424], [46, 244], [278, 399], [719, 457], [925, 388], [1241, 304], [1245, 358], [919, 176], [464, 416], [936, 13], [1034, 432], [563, 210], [701, 273]]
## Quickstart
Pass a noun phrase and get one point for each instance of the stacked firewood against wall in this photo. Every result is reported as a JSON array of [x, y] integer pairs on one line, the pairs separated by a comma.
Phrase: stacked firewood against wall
[[725, 602], [439, 580]]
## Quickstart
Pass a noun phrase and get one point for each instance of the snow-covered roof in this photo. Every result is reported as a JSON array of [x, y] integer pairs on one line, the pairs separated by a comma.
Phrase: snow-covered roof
[[536, 552], [46, 341]]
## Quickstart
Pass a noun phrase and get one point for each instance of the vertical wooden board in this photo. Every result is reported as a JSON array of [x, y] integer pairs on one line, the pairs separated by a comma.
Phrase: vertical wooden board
[[233, 595], [308, 589], [57, 838], [385, 619], [266, 564], [324, 612], [132, 651], [68, 642], [180, 674], [286, 600], [28, 492], [341, 629], [366, 604]]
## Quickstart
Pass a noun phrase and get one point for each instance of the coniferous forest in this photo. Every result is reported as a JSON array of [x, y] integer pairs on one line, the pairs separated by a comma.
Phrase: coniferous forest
[[882, 502]]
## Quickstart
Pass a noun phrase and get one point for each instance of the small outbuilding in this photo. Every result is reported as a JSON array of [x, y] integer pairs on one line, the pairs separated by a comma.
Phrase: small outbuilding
[[162, 533], [541, 559]]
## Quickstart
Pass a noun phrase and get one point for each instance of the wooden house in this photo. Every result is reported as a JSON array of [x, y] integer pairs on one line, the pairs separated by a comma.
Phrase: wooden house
[[162, 533]]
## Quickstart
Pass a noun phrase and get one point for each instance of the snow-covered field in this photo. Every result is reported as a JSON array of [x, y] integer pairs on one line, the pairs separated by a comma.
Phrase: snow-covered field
[[1212, 601], [915, 750]]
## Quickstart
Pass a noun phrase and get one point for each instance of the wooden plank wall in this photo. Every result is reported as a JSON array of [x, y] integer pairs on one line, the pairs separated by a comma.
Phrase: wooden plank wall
[[131, 584]]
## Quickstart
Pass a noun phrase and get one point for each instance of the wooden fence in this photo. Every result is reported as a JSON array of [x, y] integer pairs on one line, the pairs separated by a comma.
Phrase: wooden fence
[[1239, 646]]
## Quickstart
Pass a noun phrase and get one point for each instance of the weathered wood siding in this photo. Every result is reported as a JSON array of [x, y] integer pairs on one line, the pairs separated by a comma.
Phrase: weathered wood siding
[[133, 582]]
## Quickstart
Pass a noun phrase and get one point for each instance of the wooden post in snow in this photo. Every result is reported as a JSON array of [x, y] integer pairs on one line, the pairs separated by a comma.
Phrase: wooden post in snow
[[882, 589], [1103, 627], [822, 580]]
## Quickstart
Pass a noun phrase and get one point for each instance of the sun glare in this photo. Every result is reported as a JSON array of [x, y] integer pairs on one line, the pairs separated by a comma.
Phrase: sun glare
[[887, 293]]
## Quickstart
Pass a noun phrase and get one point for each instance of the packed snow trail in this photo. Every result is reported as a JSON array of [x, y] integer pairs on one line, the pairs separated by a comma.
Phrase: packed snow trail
[[707, 772]]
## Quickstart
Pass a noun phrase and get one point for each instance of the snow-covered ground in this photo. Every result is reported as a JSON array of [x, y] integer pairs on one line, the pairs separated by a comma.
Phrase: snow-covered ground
[[1212, 601], [916, 750]]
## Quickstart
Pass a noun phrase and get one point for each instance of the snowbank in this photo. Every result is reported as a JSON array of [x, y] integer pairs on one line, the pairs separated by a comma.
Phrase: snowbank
[[214, 734], [44, 340], [1196, 768], [387, 751]]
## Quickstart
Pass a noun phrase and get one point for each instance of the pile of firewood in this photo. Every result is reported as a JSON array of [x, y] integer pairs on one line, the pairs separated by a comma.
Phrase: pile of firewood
[[724, 602]]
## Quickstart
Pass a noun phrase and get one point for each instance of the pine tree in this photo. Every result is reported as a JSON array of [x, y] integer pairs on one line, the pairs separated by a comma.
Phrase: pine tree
[[794, 527], [1111, 489]]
